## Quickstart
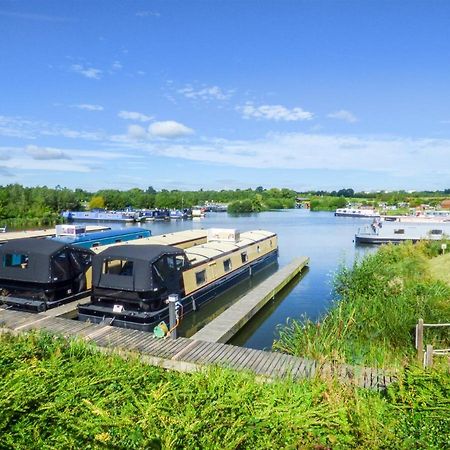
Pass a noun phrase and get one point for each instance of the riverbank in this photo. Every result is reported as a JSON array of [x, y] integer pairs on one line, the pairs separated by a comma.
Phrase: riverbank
[[65, 394], [377, 304]]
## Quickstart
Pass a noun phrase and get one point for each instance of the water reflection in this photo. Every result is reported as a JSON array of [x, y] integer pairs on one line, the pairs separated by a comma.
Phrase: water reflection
[[326, 239]]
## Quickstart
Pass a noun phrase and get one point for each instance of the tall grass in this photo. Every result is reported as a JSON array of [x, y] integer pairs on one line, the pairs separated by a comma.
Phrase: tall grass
[[377, 304], [64, 394]]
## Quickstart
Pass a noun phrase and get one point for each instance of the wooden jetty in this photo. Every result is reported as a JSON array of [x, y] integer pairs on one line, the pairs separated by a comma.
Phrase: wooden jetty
[[224, 327], [188, 355], [9, 235]]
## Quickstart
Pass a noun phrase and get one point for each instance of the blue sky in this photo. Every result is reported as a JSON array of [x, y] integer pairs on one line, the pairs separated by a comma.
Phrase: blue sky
[[225, 94]]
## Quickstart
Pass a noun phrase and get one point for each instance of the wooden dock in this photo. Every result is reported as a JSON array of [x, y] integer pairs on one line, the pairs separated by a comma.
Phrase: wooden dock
[[188, 355], [224, 327]]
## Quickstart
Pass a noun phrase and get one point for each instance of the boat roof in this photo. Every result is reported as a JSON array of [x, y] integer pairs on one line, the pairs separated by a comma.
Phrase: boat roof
[[92, 236], [145, 253], [205, 252], [45, 247], [164, 239]]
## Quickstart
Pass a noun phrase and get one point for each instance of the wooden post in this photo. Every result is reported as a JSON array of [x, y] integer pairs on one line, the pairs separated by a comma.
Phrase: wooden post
[[419, 341], [429, 356]]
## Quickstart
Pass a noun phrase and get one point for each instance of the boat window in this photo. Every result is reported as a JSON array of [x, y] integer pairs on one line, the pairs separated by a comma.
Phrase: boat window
[[95, 244], [180, 261], [80, 260], [436, 232], [399, 231], [60, 266], [200, 277], [118, 267], [118, 240], [244, 257], [227, 265], [18, 260]]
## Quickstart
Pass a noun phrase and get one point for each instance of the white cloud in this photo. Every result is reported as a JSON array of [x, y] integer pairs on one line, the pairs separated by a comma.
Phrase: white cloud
[[206, 93], [88, 72], [169, 129], [136, 132], [344, 115], [88, 107], [46, 153], [132, 115], [274, 112]]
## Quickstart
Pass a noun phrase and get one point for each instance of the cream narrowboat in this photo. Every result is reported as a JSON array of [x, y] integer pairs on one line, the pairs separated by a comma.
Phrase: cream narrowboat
[[131, 283]]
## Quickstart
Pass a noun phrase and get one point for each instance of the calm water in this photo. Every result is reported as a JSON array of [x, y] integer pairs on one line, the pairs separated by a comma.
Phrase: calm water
[[326, 239]]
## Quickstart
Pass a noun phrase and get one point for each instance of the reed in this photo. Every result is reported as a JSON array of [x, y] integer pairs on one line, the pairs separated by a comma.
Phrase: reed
[[377, 303]]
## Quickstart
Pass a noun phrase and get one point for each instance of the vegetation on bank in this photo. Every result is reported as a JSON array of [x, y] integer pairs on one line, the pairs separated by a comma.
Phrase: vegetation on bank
[[65, 394], [377, 304], [42, 205]]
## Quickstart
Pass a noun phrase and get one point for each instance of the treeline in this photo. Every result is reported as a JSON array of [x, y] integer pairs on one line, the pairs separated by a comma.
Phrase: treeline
[[45, 204]]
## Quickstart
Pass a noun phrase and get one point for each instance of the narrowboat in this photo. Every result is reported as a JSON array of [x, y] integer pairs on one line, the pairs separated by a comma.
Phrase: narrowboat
[[357, 212], [131, 283], [76, 235], [37, 274], [102, 216]]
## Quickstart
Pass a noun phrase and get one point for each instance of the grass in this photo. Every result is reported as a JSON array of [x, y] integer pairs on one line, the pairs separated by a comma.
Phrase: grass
[[440, 267], [377, 304], [65, 394]]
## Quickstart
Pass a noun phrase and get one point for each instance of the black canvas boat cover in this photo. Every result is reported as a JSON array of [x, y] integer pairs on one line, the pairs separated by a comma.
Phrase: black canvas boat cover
[[35, 256], [142, 257]]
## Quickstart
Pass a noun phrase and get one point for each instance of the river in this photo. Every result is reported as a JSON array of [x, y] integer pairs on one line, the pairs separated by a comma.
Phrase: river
[[326, 239]]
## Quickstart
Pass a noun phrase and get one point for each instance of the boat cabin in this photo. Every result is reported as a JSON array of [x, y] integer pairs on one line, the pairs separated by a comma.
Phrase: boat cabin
[[139, 276], [42, 269]]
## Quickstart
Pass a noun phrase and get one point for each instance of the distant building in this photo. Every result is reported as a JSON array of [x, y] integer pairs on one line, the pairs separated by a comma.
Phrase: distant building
[[445, 204]]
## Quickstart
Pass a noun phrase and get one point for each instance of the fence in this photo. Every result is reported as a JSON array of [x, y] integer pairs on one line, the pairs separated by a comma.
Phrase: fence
[[426, 357]]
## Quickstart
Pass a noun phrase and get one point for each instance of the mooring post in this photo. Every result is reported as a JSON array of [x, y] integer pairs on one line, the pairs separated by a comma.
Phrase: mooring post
[[173, 299], [429, 356], [419, 341]]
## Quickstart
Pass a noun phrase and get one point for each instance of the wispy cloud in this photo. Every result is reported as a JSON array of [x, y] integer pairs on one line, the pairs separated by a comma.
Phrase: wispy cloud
[[88, 72], [88, 107], [344, 115], [148, 14], [19, 127], [133, 115], [274, 112], [206, 93], [46, 153], [116, 65]]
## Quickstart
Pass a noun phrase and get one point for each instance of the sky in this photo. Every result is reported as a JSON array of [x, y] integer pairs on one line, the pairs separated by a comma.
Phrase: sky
[[225, 94]]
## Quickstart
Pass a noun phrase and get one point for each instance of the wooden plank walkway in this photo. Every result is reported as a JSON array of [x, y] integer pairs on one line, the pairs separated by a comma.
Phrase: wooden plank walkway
[[187, 355], [225, 326]]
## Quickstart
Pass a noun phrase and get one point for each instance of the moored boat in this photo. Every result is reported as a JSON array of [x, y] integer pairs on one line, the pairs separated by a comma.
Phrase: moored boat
[[37, 274], [357, 212], [132, 282], [102, 216], [76, 235], [396, 233]]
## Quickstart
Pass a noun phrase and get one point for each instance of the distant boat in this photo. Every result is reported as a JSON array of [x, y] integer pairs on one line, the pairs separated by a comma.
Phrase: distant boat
[[396, 233], [356, 212], [102, 215]]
